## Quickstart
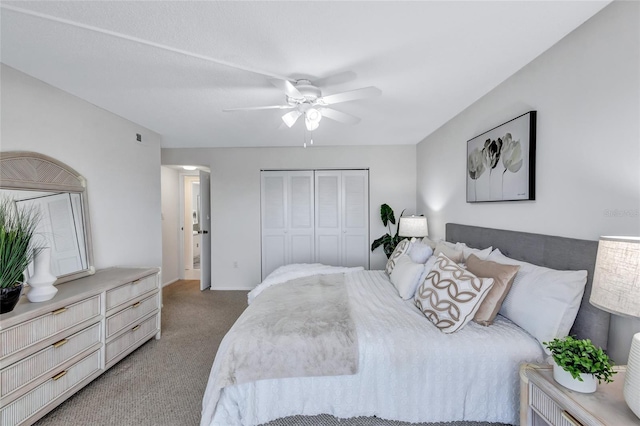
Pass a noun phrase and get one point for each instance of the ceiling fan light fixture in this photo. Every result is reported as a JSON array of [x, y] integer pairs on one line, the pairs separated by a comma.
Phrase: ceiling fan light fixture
[[312, 119], [291, 117]]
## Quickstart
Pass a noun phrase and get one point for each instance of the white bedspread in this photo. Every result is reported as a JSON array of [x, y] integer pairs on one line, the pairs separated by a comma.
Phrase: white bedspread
[[296, 270], [408, 370]]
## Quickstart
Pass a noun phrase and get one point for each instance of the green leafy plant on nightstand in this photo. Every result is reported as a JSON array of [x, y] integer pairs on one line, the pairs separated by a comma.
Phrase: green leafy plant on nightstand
[[578, 356]]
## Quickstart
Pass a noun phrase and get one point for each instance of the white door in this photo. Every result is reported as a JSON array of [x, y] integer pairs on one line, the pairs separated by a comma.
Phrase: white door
[[205, 230], [286, 218], [328, 205], [300, 232], [355, 218], [273, 194]]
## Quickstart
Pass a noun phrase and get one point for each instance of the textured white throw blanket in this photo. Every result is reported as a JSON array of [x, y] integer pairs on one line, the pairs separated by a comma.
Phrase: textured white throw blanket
[[297, 270], [300, 328]]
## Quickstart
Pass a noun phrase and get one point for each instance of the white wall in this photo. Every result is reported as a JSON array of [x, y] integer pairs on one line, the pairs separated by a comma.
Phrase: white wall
[[235, 196], [170, 187], [123, 176], [586, 91]]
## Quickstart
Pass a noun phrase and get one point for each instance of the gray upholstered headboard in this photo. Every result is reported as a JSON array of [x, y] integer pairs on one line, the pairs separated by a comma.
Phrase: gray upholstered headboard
[[552, 252]]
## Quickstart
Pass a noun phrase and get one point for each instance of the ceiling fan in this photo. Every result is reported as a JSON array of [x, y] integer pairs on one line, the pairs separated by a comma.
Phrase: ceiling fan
[[305, 99]]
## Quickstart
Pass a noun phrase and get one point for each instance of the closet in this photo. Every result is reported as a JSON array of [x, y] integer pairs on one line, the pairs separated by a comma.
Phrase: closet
[[311, 216]]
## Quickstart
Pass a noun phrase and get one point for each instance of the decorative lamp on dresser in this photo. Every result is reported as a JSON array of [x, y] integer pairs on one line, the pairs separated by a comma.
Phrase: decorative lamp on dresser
[[52, 349]]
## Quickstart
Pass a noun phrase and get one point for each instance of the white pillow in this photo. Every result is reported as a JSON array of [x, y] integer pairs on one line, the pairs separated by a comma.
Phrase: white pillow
[[428, 266], [401, 248], [450, 296], [449, 250], [542, 301], [405, 276], [468, 251], [419, 252]]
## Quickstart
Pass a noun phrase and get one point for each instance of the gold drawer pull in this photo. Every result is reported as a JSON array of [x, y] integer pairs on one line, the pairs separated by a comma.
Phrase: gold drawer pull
[[135, 282], [135, 305], [59, 375], [135, 328], [59, 311], [60, 343], [569, 418]]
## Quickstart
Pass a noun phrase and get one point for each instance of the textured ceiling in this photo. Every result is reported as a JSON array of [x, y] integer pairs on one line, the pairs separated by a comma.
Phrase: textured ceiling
[[166, 65]]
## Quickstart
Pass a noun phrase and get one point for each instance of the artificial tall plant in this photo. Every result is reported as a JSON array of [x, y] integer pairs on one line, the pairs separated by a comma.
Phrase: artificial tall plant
[[387, 241], [18, 247]]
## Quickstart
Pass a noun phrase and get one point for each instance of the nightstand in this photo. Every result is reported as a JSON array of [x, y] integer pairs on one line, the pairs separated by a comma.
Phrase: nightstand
[[543, 402]]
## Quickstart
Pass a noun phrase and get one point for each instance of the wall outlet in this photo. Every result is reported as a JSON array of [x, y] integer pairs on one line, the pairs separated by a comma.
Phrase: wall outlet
[[235, 264]]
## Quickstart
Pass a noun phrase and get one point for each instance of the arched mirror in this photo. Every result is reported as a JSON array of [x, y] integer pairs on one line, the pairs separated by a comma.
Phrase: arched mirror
[[60, 193]]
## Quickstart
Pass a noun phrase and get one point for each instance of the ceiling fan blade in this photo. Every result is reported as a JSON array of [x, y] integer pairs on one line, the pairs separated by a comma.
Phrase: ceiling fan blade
[[258, 108], [343, 77], [290, 118], [287, 87], [339, 116], [352, 95]]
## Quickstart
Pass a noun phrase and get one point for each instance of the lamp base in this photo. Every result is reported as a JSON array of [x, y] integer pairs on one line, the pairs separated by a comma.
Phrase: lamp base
[[632, 380]]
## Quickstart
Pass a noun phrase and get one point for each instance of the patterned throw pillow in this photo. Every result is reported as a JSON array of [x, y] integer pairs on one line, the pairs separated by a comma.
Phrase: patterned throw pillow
[[450, 295], [401, 248]]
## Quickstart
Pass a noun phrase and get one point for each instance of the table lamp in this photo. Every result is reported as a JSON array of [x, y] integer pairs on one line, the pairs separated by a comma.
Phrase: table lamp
[[616, 289], [413, 226]]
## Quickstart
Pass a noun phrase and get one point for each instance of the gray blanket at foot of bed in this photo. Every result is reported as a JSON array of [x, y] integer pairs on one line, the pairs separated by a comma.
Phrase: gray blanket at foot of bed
[[299, 328]]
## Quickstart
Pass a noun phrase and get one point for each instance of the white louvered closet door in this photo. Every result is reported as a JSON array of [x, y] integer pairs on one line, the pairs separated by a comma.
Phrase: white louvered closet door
[[342, 217], [287, 219], [328, 206], [355, 218]]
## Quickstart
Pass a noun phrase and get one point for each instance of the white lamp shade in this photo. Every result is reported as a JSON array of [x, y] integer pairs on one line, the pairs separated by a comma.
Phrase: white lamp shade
[[413, 226], [291, 117], [312, 119], [616, 278]]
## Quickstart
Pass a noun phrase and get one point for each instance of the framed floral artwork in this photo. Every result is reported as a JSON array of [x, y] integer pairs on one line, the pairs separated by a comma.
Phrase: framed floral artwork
[[501, 162]]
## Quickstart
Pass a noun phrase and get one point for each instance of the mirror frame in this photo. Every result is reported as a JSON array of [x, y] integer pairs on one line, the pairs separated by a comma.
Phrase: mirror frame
[[24, 170]]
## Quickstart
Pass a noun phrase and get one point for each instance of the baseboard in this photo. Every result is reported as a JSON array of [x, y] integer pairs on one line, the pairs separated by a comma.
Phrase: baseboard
[[225, 288], [170, 282]]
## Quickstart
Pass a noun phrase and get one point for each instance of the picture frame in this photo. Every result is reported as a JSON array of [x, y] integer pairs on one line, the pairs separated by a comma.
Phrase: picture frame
[[501, 162]]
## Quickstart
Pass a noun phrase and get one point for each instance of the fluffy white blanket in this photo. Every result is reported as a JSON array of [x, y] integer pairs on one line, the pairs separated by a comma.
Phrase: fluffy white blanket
[[297, 270], [299, 328]]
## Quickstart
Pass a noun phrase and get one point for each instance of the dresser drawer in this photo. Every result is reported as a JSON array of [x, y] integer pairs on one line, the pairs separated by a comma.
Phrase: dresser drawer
[[124, 293], [21, 373], [549, 410], [128, 340], [131, 315], [44, 326], [27, 405]]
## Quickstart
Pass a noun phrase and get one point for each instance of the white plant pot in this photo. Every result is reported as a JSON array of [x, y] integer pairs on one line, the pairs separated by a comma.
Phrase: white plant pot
[[589, 383], [41, 282]]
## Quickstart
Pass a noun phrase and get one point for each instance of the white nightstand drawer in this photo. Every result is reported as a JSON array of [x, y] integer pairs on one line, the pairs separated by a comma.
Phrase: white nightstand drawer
[[124, 293], [549, 410], [129, 339], [30, 332], [29, 404], [21, 373], [131, 315]]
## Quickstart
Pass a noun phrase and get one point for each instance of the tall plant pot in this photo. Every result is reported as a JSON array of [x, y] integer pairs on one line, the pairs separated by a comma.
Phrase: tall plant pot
[[41, 282], [9, 298]]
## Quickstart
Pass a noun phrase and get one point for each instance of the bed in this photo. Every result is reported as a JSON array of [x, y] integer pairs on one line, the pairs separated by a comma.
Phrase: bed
[[405, 368]]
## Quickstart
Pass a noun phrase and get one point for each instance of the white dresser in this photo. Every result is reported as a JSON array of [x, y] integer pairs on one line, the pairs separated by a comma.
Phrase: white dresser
[[50, 350]]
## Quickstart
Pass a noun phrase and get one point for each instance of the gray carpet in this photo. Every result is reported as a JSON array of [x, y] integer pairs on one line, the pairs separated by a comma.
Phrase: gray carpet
[[162, 383]]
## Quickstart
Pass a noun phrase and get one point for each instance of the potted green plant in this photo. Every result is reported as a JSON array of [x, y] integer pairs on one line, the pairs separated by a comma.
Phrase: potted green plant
[[578, 363], [387, 241], [17, 248]]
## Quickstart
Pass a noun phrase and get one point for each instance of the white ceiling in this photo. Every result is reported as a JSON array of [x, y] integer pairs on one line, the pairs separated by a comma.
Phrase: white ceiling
[[159, 63]]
